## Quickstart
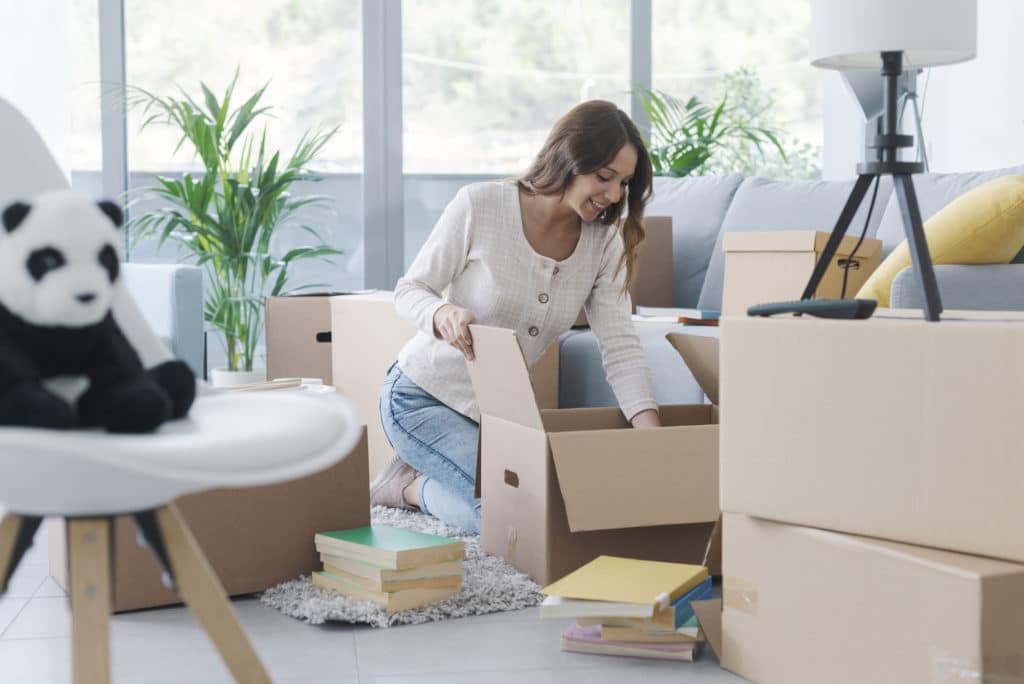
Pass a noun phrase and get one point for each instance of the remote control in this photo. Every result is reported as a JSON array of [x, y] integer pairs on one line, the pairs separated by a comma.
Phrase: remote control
[[822, 308]]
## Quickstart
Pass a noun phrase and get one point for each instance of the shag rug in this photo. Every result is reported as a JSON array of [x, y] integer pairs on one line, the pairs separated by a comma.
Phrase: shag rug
[[489, 585]]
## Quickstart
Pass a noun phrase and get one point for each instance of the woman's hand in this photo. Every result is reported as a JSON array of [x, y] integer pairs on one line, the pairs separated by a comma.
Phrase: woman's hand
[[451, 324], [646, 419]]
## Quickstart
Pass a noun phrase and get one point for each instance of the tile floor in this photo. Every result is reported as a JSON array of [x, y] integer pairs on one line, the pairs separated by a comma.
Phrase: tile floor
[[167, 646]]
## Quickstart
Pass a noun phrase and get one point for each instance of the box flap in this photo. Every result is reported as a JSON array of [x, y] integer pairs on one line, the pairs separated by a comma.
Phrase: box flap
[[701, 356], [796, 241], [612, 479], [770, 241], [709, 615], [500, 377]]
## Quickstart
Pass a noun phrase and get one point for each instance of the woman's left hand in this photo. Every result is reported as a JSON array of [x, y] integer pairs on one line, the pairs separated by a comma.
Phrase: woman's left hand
[[646, 419]]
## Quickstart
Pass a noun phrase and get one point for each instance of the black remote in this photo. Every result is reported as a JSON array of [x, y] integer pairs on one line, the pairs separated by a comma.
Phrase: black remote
[[822, 308]]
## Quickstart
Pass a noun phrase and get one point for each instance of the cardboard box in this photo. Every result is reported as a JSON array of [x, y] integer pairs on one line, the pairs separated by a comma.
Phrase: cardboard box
[[254, 537], [367, 335], [891, 427], [299, 337], [775, 267], [806, 606], [653, 283], [562, 486]]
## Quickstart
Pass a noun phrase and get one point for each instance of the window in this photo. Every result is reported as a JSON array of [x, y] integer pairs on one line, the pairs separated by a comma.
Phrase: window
[[484, 81], [309, 52], [695, 43]]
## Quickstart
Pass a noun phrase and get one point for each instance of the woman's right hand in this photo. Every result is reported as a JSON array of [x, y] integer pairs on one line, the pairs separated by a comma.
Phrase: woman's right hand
[[451, 324]]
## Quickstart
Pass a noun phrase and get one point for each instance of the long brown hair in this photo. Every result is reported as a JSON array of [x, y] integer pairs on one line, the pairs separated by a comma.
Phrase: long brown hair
[[584, 140]]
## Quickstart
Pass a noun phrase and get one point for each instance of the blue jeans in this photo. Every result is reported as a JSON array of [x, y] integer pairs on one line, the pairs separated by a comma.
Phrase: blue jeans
[[437, 441]]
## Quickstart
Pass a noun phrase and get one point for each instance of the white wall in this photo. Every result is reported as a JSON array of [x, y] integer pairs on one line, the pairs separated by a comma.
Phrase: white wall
[[35, 49], [973, 112]]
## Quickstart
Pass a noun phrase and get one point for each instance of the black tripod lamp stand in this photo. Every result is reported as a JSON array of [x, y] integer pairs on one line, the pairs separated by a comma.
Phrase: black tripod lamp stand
[[890, 34]]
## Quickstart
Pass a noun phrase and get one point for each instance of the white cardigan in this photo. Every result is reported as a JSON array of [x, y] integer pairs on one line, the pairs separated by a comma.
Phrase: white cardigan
[[479, 253]]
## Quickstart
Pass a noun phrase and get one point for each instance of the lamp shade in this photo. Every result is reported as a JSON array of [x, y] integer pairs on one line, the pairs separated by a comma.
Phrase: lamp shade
[[852, 34]]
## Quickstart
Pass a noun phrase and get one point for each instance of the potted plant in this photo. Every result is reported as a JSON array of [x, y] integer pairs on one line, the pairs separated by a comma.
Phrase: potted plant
[[225, 218]]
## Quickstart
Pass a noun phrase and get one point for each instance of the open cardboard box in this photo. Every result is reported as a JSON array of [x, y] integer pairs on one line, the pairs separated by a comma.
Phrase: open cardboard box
[[891, 427], [559, 487], [807, 606], [775, 266], [253, 537]]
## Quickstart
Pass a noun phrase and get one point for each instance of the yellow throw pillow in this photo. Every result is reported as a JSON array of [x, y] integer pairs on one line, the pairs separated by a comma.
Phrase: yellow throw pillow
[[983, 226]]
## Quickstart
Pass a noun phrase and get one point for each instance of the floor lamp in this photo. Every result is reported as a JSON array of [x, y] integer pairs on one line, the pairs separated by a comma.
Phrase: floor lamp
[[890, 35]]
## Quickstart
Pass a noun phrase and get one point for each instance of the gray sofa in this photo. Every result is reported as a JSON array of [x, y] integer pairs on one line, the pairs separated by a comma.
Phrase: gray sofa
[[703, 209]]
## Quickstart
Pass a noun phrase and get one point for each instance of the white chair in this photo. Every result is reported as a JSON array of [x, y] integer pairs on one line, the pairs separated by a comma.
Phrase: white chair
[[227, 440]]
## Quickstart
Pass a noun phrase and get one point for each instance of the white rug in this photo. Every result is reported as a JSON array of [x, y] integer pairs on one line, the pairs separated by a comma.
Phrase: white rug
[[489, 585]]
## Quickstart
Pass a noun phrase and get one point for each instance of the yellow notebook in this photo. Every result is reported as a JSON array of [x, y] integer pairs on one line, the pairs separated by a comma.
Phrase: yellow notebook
[[627, 580]]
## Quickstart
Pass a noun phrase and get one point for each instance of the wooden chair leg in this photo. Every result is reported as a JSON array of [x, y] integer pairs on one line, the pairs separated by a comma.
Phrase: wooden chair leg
[[199, 587], [89, 576], [9, 527]]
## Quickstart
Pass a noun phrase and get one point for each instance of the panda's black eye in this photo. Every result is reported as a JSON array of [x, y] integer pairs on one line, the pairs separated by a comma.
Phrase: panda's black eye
[[108, 259], [42, 261]]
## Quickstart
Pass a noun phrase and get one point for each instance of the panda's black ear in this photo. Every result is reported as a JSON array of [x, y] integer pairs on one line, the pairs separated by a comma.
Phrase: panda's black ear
[[14, 214], [113, 211]]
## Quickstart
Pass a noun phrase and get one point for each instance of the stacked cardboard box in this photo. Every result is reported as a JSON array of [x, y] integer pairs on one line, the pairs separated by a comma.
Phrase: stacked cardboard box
[[870, 476], [775, 266]]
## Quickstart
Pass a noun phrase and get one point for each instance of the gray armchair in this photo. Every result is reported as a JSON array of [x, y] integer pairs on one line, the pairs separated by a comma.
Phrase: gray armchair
[[171, 299]]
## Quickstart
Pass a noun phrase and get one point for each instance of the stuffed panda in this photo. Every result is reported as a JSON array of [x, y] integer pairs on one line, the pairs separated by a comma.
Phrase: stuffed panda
[[59, 267]]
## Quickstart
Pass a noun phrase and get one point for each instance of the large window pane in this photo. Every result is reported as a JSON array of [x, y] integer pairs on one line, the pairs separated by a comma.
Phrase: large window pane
[[86, 138], [309, 52], [696, 43], [483, 82]]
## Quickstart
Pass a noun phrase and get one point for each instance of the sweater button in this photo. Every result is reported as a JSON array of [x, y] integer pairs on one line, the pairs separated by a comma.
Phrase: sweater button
[[542, 298], [555, 272], [534, 331]]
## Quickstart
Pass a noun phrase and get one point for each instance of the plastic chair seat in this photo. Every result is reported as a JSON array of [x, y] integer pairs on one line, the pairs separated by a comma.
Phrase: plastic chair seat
[[229, 439]]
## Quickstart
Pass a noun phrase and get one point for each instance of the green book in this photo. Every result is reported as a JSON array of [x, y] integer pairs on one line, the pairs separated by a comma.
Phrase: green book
[[390, 547]]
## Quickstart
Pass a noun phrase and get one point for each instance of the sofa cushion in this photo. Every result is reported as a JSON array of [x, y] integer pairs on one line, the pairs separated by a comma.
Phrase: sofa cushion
[[697, 206], [985, 225], [762, 205], [934, 191]]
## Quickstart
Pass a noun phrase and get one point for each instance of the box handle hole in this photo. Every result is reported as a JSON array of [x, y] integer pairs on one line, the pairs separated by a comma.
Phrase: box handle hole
[[511, 479], [854, 264], [323, 336]]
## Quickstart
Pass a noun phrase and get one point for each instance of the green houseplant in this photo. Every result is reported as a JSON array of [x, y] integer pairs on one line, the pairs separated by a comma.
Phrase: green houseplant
[[737, 135], [687, 134], [225, 217]]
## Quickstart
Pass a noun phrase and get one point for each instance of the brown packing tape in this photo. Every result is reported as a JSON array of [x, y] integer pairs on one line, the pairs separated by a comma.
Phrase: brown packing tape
[[950, 669], [739, 594]]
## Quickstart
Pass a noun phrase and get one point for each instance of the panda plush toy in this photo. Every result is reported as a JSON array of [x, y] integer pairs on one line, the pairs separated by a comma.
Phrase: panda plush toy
[[59, 270]]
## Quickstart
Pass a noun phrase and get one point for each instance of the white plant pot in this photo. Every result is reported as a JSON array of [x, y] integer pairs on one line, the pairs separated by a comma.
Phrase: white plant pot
[[221, 377]]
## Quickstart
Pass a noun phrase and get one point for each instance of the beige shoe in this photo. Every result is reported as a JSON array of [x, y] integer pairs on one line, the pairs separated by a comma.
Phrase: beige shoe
[[388, 487]]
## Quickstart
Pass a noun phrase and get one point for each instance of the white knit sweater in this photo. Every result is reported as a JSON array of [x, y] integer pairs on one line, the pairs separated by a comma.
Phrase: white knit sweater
[[480, 255]]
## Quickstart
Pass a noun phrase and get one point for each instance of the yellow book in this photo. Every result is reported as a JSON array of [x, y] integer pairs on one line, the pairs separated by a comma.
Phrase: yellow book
[[392, 601], [628, 580], [395, 584]]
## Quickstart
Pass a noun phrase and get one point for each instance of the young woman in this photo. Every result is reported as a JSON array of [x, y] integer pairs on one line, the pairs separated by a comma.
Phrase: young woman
[[527, 255]]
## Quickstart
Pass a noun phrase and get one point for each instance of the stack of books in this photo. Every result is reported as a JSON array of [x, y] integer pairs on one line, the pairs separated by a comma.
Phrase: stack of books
[[630, 607], [398, 569]]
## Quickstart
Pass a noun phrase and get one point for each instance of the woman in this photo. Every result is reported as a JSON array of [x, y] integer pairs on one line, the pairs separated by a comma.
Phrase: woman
[[527, 255]]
